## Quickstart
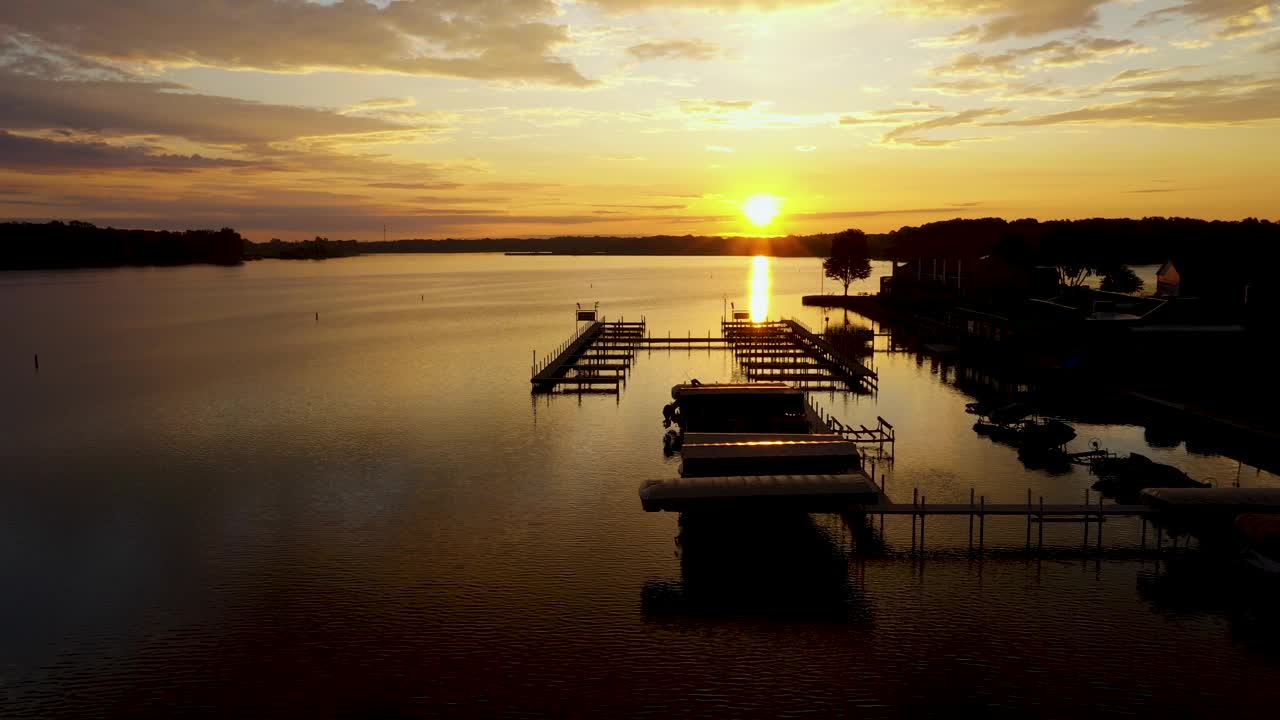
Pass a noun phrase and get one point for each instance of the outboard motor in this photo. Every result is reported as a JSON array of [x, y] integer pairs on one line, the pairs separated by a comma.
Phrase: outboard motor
[[670, 443]]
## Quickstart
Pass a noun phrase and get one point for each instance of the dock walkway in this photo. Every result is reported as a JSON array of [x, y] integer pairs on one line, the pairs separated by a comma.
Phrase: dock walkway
[[597, 356], [787, 351]]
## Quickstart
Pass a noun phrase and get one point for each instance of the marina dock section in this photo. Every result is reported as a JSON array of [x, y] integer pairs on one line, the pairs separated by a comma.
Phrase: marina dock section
[[599, 354]]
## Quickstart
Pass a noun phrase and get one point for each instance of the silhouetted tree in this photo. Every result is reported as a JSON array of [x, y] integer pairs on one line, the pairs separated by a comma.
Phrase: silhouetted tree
[[849, 258], [1121, 280]]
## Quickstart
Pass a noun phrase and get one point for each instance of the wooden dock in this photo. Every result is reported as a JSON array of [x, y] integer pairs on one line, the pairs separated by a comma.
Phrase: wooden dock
[[1035, 514], [596, 357], [787, 351], [601, 353]]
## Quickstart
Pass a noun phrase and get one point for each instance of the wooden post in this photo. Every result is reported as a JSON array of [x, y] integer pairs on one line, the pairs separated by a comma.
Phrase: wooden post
[[36, 357], [1101, 520], [922, 517], [971, 491], [982, 523], [915, 503], [1041, 523], [1086, 519], [1028, 518], [1144, 532]]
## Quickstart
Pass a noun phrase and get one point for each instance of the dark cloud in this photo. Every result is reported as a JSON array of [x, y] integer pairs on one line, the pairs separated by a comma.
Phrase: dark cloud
[[633, 5], [676, 50], [698, 105], [130, 107], [641, 207], [1018, 18], [1057, 53], [488, 40], [1204, 102], [848, 214], [1148, 73], [909, 134], [963, 86], [441, 185], [1233, 18], [29, 154]]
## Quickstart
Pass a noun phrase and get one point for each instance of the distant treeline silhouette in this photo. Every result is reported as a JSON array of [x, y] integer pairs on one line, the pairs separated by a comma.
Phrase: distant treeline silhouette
[[58, 245], [317, 249], [1098, 242], [787, 246]]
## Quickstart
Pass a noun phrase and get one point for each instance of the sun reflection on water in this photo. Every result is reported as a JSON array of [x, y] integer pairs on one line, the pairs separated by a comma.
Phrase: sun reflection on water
[[761, 281]]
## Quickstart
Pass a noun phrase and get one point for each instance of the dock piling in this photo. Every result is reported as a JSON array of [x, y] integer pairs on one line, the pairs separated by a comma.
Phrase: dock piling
[[1028, 519], [1085, 524], [923, 499], [982, 524], [1041, 521], [915, 504], [971, 495]]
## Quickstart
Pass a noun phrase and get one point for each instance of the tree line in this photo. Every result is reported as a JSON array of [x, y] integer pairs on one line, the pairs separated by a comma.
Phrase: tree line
[[58, 245], [1079, 248]]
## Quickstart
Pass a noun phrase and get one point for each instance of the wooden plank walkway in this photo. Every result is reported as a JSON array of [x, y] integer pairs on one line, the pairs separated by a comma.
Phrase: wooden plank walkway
[[598, 354], [830, 353], [1077, 510]]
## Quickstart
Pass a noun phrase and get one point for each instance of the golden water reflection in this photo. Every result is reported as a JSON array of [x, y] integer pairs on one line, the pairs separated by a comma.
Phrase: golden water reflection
[[761, 282]]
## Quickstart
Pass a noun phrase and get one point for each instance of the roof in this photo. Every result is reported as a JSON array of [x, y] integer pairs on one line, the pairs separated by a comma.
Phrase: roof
[[678, 391], [1232, 499], [813, 492]]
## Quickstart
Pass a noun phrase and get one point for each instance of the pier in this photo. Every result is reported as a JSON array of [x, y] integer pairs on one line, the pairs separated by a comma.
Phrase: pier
[[596, 357], [787, 351], [599, 354]]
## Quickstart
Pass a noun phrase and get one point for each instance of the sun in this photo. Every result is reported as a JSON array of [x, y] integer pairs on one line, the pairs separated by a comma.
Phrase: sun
[[761, 209]]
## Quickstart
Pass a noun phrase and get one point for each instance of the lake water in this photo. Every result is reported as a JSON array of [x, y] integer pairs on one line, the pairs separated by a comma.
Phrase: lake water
[[214, 503]]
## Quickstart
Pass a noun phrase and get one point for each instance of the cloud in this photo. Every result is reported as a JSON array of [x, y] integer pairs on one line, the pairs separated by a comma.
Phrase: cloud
[[719, 149], [388, 103], [1195, 103], [128, 107], [1190, 44], [442, 185], [642, 207], [698, 105], [806, 148], [1148, 73], [1232, 18], [1013, 18], [960, 37], [1057, 53], [724, 5], [676, 50], [909, 134], [30, 154], [494, 40], [962, 86], [890, 116], [850, 214]]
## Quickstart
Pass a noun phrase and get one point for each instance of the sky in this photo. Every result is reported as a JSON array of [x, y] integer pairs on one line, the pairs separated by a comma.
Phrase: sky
[[496, 118]]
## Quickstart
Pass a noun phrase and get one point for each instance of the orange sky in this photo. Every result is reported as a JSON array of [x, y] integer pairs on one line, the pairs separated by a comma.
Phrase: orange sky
[[469, 118]]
